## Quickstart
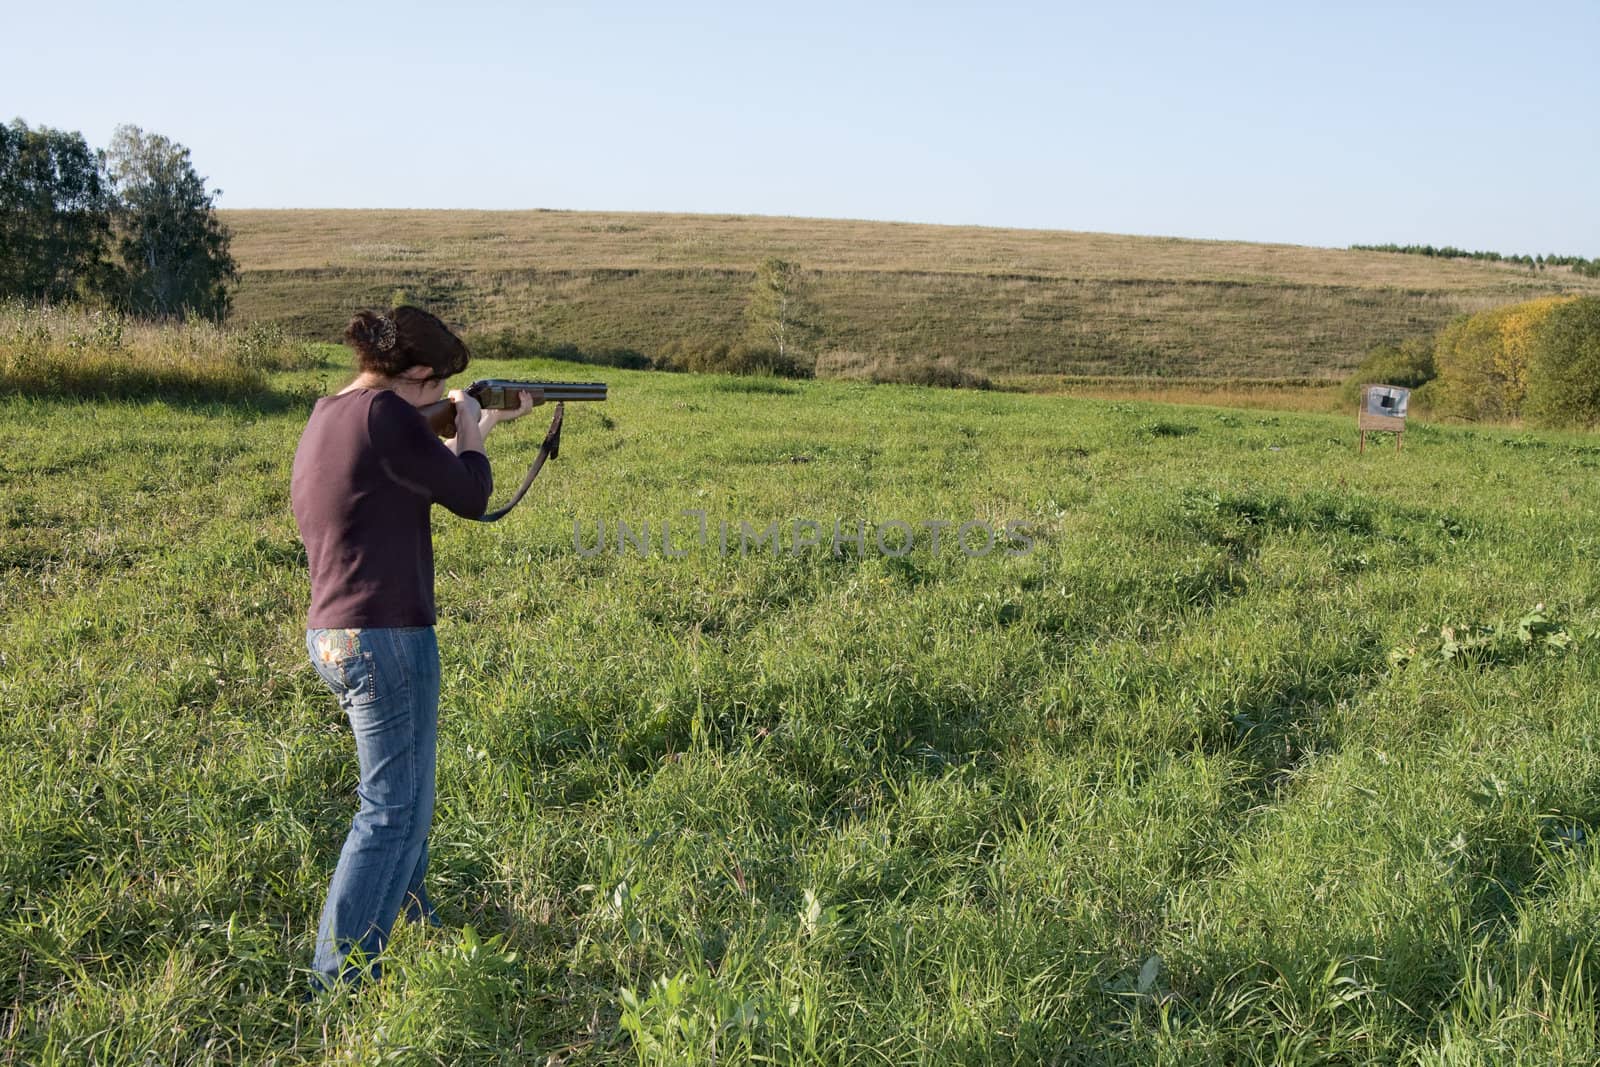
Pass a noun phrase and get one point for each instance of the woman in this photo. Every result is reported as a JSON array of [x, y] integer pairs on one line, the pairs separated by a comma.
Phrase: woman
[[366, 475]]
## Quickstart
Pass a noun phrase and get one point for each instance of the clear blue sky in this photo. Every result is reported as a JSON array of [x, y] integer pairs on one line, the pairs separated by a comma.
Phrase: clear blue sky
[[1317, 123]]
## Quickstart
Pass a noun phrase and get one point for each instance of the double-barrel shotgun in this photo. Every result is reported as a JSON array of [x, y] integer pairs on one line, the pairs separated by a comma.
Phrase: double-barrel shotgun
[[491, 393], [498, 393]]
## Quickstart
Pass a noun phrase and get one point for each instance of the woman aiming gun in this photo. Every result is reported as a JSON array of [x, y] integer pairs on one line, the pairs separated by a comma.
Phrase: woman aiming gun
[[366, 475]]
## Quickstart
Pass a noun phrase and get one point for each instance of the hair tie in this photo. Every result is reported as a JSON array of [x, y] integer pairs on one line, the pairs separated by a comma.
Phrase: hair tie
[[386, 334]]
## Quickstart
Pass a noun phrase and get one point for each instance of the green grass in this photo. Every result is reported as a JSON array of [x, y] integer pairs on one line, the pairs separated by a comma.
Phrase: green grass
[[1194, 782], [886, 297]]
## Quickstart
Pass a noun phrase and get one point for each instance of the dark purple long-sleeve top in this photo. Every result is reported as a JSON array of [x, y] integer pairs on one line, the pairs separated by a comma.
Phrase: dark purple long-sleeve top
[[366, 474]]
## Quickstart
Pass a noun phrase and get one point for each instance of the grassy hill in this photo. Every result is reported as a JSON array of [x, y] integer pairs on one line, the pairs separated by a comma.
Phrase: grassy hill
[[1258, 755], [1006, 303]]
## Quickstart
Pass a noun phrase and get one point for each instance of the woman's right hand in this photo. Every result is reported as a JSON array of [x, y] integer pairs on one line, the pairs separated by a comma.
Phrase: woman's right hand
[[468, 437], [467, 407]]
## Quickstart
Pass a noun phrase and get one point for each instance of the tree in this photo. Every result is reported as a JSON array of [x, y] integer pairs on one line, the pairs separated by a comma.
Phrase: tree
[[1564, 383], [779, 314], [54, 215], [174, 250]]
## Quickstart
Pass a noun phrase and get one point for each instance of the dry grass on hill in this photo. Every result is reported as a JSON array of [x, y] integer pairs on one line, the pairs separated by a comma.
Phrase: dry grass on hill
[[996, 302]]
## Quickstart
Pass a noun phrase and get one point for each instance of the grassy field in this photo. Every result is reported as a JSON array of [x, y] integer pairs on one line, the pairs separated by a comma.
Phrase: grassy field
[[1198, 779], [886, 296]]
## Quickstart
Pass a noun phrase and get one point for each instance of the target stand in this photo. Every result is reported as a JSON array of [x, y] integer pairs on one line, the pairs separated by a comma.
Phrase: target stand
[[1382, 410]]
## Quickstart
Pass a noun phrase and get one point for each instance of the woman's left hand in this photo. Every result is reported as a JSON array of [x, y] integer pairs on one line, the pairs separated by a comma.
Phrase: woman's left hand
[[531, 398]]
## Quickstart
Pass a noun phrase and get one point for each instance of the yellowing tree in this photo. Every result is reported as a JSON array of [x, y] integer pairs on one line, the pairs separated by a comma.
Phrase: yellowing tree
[[1512, 358]]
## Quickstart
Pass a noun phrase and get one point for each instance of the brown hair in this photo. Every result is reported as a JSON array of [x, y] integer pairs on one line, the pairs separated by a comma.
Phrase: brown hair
[[388, 343]]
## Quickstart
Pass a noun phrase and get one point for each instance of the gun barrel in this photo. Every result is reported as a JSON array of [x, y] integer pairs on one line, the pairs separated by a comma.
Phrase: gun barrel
[[574, 391], [501, 393]]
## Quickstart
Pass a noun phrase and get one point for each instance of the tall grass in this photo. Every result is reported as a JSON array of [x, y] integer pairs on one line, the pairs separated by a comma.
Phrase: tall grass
[[76, 352]]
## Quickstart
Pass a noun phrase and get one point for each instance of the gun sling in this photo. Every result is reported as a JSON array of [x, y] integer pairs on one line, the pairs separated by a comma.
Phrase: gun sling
[[549, 450]]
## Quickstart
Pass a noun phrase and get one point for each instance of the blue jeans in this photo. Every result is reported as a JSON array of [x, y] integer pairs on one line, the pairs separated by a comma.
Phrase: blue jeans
[[387, 682]]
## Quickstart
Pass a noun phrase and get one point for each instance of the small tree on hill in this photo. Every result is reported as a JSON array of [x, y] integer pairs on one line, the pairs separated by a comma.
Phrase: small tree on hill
[[174, 250], [54, 215], [779, 315]]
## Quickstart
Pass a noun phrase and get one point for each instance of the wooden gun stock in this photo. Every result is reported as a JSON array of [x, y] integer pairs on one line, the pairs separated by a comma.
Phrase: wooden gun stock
[[499, 393]]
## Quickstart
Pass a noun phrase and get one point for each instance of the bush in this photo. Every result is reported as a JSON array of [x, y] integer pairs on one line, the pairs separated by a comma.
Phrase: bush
[[704, 356], [695, 354], [884, 370], [942, 373], [1408, 364], [1564, 380], [514, 344]]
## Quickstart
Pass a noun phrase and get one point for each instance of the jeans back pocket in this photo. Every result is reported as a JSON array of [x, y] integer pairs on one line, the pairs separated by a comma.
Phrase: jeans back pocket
[[346, 664]]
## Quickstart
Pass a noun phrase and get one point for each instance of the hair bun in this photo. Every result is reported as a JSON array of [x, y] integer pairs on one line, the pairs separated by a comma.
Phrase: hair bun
[[371, 330], [385, 339]]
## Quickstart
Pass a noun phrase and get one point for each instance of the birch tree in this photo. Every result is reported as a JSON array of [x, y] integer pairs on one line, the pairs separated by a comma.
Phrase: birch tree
[[778, 314], [174, 250]]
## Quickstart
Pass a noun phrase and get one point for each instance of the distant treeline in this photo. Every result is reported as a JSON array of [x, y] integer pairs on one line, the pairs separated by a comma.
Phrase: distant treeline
[[1579, 265]]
